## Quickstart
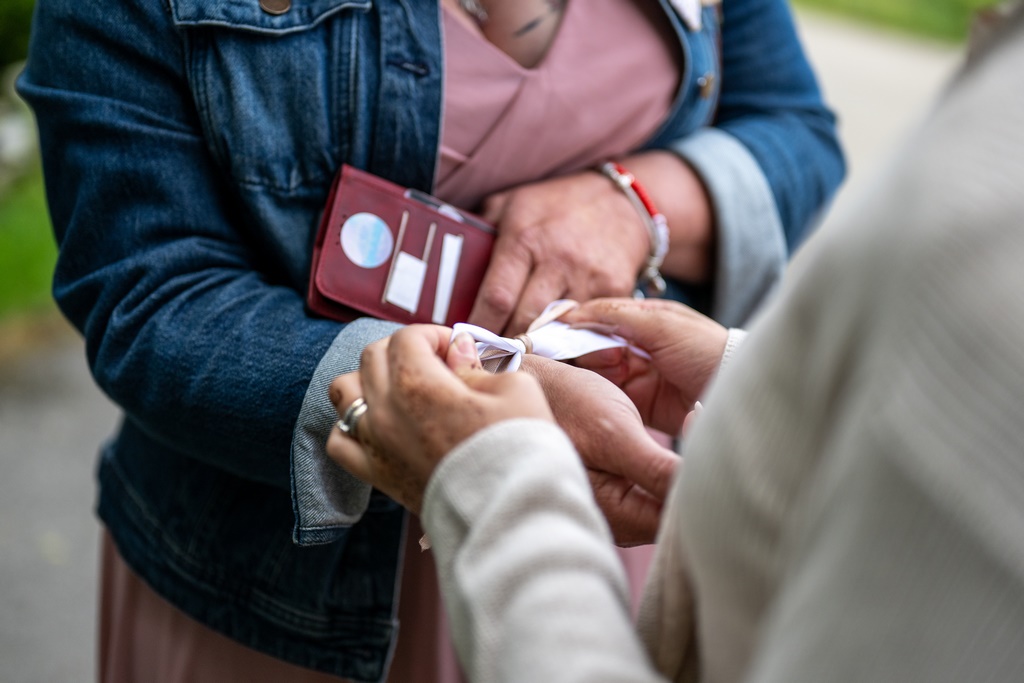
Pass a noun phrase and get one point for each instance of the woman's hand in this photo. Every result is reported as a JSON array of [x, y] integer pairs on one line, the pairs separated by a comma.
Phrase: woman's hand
[[424, 396], [578, 237], [630, 472], [685, 348], [575, 237]]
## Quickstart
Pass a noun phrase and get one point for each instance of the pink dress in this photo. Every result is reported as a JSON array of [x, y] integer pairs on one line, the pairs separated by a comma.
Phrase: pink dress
[[504, 124], [571, 118]]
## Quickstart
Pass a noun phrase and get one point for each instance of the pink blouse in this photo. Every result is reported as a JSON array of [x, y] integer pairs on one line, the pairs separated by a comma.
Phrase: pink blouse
[[605, 85]]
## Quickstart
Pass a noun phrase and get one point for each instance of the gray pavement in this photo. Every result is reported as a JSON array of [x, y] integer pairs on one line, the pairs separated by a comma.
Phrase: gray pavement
[[880, 84], [52, 419]]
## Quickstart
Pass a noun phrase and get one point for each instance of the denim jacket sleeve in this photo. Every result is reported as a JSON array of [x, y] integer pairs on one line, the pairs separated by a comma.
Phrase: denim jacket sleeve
[[770, 159], [184, 276]]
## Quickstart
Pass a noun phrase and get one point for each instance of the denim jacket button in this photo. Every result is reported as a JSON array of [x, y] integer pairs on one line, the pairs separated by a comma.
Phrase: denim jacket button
[[275, 6], [706, 83]]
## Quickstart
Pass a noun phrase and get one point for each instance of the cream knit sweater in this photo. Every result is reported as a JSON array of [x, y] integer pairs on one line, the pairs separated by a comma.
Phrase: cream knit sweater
[[851, 506]]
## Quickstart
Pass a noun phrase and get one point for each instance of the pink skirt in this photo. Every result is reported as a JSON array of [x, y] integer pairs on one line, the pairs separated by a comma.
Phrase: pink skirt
[[142, 637]]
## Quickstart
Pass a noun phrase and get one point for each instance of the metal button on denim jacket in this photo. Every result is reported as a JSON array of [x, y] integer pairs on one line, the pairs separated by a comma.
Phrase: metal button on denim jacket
[[188, 149]]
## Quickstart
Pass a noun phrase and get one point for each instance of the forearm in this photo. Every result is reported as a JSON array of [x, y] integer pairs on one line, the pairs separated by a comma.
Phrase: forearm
[[530, 578]]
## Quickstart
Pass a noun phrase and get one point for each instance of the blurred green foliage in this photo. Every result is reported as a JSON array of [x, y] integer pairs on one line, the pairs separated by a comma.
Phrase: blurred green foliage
[[27, 247], [943, 19], [15, 18]]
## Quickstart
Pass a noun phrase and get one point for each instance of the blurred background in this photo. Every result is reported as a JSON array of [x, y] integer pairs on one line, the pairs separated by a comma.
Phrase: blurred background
[[881, 62]]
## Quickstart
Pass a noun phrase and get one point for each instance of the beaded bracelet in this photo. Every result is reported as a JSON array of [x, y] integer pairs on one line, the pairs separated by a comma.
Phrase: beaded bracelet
[[650, 280]]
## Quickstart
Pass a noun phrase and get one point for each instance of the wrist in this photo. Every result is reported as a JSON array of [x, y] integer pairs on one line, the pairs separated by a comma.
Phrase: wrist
[[681, 196], [733, 341], [650, 281]]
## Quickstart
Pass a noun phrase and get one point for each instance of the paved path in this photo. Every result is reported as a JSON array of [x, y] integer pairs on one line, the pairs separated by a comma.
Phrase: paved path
[[880, 84], [52, 418]]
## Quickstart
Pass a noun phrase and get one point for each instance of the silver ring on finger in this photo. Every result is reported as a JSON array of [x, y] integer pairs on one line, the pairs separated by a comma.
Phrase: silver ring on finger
[[349, 422]]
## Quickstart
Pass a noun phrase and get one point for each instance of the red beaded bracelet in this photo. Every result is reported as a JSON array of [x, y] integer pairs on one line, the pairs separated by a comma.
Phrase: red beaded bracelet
[[650, 281]]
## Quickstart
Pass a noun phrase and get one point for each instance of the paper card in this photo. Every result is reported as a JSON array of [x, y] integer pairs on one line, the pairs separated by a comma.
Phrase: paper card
[[405, 282], [451, 252]]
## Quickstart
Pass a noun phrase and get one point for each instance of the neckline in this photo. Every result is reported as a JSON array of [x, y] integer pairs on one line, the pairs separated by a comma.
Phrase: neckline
[[506, 57]]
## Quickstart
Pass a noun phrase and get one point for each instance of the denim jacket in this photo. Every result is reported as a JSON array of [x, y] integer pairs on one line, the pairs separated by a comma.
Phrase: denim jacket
[[188, 148]]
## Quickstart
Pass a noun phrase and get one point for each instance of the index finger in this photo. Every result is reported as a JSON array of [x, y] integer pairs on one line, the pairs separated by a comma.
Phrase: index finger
[[501, 287], [419, 342], [423, 339], [417, 357], [543, 286], [648, 323]]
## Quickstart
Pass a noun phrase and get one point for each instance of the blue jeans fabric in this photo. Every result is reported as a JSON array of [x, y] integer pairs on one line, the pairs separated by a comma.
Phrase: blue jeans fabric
[[188, 148]]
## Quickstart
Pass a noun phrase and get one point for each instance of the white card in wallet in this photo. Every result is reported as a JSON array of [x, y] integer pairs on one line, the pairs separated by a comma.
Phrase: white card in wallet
[[405, 283]]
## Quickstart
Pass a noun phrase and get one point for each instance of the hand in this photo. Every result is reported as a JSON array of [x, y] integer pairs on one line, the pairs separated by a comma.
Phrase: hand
[[630, 472], [424, 397], [574, 237], [685, 348]]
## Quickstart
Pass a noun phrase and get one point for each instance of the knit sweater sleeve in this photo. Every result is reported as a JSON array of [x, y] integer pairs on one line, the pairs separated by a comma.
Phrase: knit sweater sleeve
[[530, 578]]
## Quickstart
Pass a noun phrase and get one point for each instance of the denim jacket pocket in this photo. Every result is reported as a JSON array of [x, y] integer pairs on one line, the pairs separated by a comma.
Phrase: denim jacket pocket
[[273, 91], [250, 16]]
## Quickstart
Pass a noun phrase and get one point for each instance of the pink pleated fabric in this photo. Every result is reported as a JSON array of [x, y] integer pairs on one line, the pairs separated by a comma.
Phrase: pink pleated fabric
[[145, 639]]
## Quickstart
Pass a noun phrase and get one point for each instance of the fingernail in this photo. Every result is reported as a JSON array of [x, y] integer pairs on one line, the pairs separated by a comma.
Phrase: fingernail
[[697, 406], [465, 345]]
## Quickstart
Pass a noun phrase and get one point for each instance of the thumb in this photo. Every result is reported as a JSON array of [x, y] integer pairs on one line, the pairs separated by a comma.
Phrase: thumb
[[652, 466], [462, 354], [493, 207], [464, 361]]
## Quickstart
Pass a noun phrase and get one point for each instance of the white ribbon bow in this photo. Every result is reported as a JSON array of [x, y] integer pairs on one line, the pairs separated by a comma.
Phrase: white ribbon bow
[[545, 337]]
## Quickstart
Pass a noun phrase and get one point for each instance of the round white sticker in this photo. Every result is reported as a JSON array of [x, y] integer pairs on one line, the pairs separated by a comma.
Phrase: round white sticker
[[366, 239]]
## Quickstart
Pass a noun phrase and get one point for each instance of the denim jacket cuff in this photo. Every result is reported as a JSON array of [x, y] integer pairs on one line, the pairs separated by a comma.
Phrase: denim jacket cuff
[[751, 244], [326, 499]]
